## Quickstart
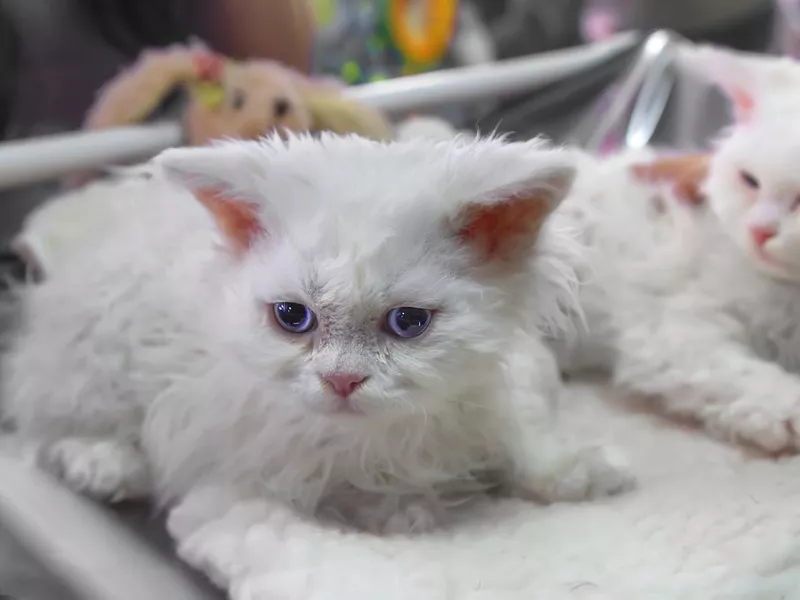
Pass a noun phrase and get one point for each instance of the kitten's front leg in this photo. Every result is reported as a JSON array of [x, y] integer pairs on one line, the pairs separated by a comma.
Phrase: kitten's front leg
[[105, 469], [545, 463], [394, 515], [550, 468], [699, 366], [227, 535]]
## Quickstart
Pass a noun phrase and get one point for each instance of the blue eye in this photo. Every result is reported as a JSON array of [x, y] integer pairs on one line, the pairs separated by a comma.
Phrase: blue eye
[[408, 322], [294, 317]]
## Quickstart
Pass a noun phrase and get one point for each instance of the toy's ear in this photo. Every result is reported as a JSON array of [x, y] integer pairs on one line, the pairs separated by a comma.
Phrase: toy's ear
[[505, 224], [224, 178], [141, 90]]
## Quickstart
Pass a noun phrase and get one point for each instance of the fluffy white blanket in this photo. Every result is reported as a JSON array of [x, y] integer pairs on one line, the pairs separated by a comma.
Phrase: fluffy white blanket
[[708, 522]]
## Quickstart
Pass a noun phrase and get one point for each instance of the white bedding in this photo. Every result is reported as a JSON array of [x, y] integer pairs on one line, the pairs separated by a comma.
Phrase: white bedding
[[708, 521]]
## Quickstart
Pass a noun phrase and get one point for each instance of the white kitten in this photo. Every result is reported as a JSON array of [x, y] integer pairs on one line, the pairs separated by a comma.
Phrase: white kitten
[[700, 307], [337, 325]]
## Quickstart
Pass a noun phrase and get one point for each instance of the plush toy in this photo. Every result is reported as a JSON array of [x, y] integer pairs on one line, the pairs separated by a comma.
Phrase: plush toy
[[226, 98], [222, 98], [216, 97]]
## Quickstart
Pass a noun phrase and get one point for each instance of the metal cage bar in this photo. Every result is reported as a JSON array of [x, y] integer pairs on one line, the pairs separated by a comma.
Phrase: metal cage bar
[[49, 157]]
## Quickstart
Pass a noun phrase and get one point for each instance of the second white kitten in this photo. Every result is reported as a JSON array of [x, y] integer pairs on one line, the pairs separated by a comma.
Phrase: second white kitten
[[697, 307]]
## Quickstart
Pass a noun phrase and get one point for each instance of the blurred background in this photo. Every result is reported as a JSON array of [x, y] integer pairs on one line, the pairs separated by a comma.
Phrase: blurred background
[[56, 54]]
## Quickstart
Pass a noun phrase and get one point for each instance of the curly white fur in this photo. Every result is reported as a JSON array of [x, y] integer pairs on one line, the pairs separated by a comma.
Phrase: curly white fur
[[153, 347], [682, 305]]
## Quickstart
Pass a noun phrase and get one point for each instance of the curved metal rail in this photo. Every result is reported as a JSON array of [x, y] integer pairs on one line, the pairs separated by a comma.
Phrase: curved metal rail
[[49, 157]]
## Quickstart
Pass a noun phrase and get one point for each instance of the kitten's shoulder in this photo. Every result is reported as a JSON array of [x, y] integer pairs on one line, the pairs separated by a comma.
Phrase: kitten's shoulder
[[128, 206]]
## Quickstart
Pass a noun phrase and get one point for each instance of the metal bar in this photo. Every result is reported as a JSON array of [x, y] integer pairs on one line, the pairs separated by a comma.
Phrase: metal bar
[[80, 543], [488, 81], [48, 157], [40, 159], [655, 55]]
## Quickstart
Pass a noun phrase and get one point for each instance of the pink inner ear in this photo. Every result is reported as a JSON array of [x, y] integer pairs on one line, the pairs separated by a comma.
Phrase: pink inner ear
[[743, 103], [237, 219], [498, 231]]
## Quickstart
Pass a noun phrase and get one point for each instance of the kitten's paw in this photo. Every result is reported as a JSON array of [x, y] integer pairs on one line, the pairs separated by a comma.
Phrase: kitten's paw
[[610, 471], [415, 518], [393, 517], [587, 473], [198, 508], [223, 547], [762, 422], [217, 550], [107, 470]]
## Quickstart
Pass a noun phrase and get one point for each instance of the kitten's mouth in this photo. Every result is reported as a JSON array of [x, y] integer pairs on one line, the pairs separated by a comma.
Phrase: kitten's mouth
[[765, 256], [774, 266], [345, 408]]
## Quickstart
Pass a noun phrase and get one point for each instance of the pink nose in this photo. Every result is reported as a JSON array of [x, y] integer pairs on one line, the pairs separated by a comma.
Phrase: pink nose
[[761, 235], [343, 384]]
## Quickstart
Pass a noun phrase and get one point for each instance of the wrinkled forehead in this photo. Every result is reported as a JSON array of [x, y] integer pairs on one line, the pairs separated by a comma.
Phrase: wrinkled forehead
[[358, 266], [378, 233], [380, 265]]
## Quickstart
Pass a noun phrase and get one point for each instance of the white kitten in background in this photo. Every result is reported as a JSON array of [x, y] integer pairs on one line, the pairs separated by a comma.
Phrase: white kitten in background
[[336, 325], [701, 308]]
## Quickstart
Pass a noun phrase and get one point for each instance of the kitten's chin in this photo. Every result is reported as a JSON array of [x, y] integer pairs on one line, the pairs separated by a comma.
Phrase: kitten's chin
[[771, 266], [336, 408], [768, 260], [360, 408]]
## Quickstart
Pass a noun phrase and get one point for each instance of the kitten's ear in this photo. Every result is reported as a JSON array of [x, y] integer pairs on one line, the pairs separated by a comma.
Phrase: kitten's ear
[[733, 73], [746, 79], [223, 179], [504, 225]]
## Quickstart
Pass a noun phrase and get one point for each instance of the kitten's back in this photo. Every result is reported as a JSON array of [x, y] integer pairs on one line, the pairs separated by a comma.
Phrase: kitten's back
[[108, 302], [637, 238]]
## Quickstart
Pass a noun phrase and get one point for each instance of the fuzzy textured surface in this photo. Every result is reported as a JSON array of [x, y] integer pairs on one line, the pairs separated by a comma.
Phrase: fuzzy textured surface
[[707, 522]]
